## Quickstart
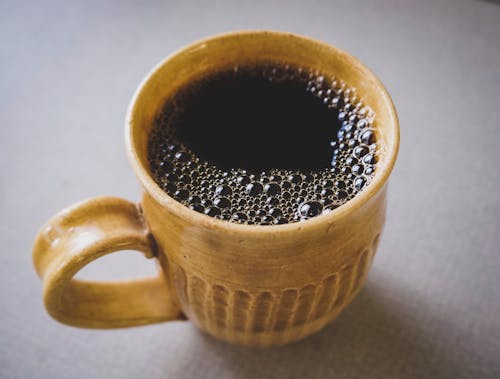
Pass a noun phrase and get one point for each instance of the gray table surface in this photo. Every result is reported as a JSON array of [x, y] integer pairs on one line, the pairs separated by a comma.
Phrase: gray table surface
[[431, 305]]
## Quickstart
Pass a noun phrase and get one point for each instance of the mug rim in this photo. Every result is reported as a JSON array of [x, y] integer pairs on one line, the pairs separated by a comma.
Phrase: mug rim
[[380, 178]]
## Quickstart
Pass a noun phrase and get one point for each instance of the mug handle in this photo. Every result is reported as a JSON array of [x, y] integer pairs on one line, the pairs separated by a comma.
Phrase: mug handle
[[82, 233]]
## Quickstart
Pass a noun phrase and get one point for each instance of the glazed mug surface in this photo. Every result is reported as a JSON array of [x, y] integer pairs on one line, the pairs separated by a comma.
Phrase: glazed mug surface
[[253, 285]]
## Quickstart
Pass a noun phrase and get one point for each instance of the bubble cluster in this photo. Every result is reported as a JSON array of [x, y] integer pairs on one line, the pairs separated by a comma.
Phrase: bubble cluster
[[271, 196]]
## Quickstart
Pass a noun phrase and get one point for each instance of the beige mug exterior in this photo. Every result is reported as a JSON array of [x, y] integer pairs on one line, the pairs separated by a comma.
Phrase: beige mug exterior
[[246, 284]]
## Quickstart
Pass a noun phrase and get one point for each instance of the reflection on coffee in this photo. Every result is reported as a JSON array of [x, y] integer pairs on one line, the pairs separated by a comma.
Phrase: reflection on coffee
[[264, 144]]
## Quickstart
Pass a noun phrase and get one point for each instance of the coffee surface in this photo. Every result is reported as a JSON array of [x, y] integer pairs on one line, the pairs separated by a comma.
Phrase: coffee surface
[[263, 144]]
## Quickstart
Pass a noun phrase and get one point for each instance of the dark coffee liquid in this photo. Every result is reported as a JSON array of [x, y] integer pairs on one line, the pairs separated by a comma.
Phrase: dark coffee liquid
[[244, 120], [263, 144]]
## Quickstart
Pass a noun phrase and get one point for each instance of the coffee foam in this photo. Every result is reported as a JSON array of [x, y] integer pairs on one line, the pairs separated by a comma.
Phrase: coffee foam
[[276, 195]]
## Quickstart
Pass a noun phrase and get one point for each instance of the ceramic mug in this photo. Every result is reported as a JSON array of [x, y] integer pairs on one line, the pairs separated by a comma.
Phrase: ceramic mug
[[252, 285]]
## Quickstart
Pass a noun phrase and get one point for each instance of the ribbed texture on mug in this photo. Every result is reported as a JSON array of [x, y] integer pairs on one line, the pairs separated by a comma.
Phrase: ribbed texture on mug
[[252, 317]]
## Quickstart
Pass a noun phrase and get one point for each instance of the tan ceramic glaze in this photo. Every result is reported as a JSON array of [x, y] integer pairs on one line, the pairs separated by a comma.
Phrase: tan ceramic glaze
[[246, 284]]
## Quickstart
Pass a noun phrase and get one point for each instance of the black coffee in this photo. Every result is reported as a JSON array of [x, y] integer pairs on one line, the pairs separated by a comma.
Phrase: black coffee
[[263, 144]]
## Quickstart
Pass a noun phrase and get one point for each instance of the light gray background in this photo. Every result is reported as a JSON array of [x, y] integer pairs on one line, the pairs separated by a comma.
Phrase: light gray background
[[431, 306]]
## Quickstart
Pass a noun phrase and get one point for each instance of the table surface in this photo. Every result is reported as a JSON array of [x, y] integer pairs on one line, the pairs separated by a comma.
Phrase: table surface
[[431, 305]]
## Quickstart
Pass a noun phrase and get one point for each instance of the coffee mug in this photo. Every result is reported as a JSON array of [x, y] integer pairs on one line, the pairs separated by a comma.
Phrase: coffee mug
[[251, 285]]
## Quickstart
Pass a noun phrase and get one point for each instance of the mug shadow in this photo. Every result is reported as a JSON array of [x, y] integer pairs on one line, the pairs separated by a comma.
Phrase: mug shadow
[[375, 337]]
